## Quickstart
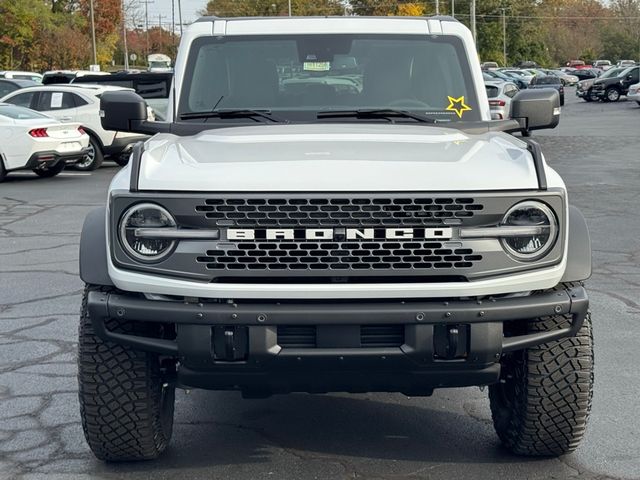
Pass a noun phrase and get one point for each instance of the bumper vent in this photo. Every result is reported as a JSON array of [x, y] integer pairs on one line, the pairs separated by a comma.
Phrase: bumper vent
[[381, 335], [370, 336], [335, 212], [297, 336]]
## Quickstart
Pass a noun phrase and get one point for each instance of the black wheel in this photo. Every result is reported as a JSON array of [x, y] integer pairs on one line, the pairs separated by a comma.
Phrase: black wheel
[[612, 94], [638, 103], [48, 172], [588, 98], [125, 405], [562, 100], [93, 159], [592, 96], [543, 400]]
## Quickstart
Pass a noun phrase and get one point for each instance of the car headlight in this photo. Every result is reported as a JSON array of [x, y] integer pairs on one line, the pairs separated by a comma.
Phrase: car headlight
[[530, 244], [138, 232]]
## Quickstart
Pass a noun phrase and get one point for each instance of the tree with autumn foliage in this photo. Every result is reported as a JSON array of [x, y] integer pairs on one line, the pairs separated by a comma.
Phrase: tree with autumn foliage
[[257, 8]]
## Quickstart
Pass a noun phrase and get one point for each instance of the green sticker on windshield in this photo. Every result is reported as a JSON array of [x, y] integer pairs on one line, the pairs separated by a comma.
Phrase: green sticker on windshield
[[316, 66]]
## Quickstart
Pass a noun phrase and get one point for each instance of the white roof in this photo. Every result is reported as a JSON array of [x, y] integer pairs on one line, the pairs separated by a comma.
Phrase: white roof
[[85, 88]]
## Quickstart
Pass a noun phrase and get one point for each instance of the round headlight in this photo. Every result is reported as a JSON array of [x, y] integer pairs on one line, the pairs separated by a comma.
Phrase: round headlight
[[533, 245], [136, 232]]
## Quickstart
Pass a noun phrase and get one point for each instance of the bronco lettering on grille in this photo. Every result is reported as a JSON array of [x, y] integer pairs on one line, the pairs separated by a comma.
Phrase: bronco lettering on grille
[[338, 233]]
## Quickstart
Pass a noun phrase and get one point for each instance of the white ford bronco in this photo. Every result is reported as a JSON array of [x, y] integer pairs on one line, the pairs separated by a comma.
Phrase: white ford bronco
[[330, 208]]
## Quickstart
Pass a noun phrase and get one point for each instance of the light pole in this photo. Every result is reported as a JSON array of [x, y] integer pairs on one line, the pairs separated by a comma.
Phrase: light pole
[[437, 7], [124, 38], [93, 34], [453, 8], [473, 21], [289, 7], [504, 37]]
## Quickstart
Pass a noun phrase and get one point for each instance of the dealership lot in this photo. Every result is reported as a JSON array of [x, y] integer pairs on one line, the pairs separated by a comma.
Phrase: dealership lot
[[218, 435]]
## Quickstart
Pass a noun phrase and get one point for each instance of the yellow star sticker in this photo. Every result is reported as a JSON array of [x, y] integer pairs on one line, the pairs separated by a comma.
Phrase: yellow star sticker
[[457, 105]]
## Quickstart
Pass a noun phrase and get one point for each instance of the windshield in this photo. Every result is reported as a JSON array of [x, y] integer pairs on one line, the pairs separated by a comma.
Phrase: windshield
[[299, 76], [159, 64], [612, 72], [19, 113], [492, 92]]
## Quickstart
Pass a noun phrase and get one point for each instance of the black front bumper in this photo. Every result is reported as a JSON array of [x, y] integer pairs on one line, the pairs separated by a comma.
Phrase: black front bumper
[[444, 343]]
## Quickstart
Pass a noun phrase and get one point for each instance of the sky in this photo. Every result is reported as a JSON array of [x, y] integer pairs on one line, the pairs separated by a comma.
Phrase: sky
[[163, 7]]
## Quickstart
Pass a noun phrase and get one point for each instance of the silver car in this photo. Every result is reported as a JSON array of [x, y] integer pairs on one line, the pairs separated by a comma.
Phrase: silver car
[[500, 95]]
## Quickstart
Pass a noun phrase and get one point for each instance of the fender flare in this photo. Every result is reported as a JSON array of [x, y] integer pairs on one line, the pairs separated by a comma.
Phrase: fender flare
[[93, 249], [579, 248]]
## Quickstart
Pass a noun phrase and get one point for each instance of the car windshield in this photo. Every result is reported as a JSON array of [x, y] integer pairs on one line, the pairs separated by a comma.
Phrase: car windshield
[[492, 92], [19, 113], [612, 72], [624, 72], [299, 76]]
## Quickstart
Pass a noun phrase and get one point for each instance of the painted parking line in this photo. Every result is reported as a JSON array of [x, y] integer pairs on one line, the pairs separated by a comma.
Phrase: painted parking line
[[74, 174]]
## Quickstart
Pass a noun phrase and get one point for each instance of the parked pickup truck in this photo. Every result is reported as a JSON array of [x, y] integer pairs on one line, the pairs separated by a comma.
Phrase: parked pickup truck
[[369, 229]]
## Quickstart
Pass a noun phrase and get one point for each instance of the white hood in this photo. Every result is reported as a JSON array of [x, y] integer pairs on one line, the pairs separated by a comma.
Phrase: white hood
[[336, 157]]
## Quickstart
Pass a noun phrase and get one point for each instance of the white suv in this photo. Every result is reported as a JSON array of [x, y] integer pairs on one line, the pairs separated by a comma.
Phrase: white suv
[[328, 206], [81, 104]]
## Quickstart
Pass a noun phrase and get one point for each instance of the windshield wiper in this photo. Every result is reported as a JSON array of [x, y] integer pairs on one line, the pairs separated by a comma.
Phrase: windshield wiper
[[231, 113], [376, 113]]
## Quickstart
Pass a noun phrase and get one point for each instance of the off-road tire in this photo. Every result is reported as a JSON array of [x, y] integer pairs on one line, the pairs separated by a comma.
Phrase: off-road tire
[[48, 172], [126, 410], [543, 400], [98, 157]]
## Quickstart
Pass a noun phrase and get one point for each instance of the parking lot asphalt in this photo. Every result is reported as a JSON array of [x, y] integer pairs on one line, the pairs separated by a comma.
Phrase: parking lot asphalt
[[596, 149]]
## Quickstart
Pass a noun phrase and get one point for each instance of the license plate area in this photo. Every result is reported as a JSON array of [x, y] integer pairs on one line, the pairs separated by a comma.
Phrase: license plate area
[[69, 147]]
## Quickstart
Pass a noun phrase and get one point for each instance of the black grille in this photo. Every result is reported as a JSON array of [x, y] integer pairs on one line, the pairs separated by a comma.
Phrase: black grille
[[338, 256], [335, 212], [297, 336], [381, 335]]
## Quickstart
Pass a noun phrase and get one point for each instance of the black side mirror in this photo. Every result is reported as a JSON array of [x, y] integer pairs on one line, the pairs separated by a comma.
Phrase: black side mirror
[[126, 111], [536, 109]]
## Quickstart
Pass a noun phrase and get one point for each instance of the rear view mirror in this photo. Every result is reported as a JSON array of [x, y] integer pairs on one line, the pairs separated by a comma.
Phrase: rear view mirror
[[536, 109]]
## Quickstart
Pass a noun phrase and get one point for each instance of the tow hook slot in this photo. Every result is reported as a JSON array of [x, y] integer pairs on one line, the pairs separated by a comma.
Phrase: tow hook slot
[[451, 342], [230, 343]]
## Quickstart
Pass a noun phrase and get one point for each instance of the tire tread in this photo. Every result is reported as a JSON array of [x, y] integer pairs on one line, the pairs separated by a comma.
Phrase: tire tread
[[553, 388], [120, 393]]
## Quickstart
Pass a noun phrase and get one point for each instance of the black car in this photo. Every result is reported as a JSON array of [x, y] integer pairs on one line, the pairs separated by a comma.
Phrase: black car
[[548, 81], [612, 88], [9, 85]]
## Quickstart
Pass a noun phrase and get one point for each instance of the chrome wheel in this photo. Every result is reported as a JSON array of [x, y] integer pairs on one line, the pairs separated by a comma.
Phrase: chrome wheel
[[88, 158], [92, 159], [613, 95]]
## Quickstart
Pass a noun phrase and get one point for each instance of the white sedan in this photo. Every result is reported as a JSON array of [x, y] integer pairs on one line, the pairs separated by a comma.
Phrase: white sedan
[[32, 141], [634, 93]]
